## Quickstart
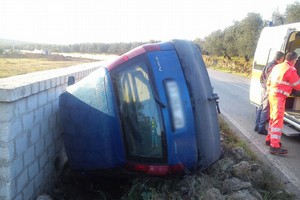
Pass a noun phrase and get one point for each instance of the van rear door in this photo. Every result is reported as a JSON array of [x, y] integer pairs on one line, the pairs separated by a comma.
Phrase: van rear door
[[151, 87], [271, 40]]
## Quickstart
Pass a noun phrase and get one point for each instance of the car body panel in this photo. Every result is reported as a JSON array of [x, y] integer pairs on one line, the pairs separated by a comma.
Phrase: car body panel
[[107, 118]]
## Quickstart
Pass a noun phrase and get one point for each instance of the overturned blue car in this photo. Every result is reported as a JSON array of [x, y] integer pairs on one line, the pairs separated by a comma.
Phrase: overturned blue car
[[152, 110]]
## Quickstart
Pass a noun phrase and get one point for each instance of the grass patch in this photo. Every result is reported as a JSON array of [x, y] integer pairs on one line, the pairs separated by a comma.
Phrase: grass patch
[[21, 64], [235, 65]]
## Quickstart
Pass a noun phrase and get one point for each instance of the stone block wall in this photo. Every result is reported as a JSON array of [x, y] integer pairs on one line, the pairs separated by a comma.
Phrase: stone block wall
[[31, 147]]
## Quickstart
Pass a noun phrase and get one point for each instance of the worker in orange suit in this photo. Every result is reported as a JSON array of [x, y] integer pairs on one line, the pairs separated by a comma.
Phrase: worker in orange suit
[[282, 80]]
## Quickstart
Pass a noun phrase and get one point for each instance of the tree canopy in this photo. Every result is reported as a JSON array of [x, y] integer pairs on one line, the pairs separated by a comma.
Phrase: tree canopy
[[241, 38]]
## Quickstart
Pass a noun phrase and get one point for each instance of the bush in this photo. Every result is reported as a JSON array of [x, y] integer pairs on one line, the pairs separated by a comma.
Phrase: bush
[[233, 65]]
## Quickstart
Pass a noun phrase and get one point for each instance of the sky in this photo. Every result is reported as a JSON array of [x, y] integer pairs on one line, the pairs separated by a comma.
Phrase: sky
[[108, 21]]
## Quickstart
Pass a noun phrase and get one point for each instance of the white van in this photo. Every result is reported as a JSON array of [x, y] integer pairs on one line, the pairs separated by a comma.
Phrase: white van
[[285, 38]]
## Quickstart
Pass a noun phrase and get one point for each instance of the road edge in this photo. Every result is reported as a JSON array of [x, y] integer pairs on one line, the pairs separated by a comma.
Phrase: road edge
[[268, 164]]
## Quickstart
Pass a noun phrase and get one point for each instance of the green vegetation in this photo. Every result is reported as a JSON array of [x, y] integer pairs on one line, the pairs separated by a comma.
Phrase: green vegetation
[[240, 39], [234, 65]]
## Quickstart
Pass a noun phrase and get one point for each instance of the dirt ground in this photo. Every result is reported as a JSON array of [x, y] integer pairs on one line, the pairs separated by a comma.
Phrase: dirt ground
[[74, 186]]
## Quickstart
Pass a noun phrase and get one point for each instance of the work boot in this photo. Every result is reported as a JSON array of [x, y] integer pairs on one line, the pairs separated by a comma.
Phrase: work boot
[[278, 151], [263, 132], [256, 128], [268, 143]]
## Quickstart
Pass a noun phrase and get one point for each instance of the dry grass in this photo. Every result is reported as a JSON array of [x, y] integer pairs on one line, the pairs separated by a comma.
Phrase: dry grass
[[237, 66], [16, 65]]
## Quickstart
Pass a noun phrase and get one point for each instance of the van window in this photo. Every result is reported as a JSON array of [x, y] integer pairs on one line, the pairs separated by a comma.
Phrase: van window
[[294, 42], [139, 113], [271, 55]]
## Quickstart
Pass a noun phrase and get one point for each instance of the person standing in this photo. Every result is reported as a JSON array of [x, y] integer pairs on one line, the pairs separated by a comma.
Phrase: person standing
[[262, 114], [280, 83]]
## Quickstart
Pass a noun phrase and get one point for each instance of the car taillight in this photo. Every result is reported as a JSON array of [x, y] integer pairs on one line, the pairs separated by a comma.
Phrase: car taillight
[[157, 170], [177, 169]]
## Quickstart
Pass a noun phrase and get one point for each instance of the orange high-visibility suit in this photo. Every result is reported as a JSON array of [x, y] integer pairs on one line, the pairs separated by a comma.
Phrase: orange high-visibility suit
[[282, 80]]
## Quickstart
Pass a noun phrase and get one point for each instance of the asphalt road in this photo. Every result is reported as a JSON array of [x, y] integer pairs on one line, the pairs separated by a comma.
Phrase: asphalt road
[[235, 106]]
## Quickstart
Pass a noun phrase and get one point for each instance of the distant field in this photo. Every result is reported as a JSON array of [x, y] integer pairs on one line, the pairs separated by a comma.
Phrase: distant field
[[16, 64]]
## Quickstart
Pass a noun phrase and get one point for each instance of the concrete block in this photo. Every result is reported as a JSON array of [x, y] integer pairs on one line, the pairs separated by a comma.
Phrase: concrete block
[[34, 88], [22, 180], [5, 173], [7, 152], [44, 128], [53, 82], [47, 110], [4, 131], [24, 135], [47, 84], [7, 111], [17, 166], [38, 115], [33, 169], [21, 106], [26, 91], [39, 147], [55, 106], [57, 132], [59, 145], [42, 85], [15, 93], [63, 80], [53, 121], [35, 134], [27, 121], [32, 102], [59, 90], [19, 197], [42, 98], [43, 160], [6, 189], [51, 94], [28, 191], [48, 169], [49, 139], [21, 144], [29, 156], [10, 130], [58, 80], [51, 151], [38, 180]]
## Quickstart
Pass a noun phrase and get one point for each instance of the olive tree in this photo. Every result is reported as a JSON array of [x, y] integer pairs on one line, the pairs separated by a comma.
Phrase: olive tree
[[214, 43], [230, 41], [292, 13], [248, 31]]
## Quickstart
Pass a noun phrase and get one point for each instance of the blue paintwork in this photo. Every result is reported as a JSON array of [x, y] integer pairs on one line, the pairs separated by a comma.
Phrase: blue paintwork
[[90, 118], [181, 143], [204, 109], [91, 130]]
